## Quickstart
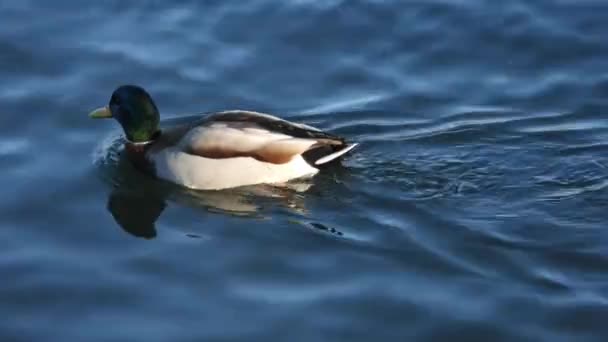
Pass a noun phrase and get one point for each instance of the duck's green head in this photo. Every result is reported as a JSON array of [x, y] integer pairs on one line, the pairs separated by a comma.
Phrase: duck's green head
[[135, 110]]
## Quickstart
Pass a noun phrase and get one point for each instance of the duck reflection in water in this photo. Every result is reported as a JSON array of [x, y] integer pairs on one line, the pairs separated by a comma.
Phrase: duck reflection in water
[[137, 202]]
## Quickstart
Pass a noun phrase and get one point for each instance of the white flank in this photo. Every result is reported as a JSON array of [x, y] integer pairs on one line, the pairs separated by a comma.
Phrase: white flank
[[214, 174]]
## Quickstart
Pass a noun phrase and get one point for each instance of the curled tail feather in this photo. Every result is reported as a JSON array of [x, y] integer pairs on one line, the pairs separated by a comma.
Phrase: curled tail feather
[[326, 153]]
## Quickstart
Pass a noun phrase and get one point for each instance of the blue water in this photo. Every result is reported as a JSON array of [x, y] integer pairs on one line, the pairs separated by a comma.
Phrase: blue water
[[475, 208]]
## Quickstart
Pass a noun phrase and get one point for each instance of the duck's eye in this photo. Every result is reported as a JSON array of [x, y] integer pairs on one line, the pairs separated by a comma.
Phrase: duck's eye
[[114, 100]]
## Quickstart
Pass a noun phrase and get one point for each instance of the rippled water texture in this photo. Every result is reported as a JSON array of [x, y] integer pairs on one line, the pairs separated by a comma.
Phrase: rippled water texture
[[475, 208]]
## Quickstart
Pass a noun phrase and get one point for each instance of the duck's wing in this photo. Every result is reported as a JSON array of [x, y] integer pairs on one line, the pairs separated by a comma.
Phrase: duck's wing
[[272, 124], [260, 136]]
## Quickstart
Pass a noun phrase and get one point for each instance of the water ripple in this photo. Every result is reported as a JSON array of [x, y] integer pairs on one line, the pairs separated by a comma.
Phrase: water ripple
[[473, 209]]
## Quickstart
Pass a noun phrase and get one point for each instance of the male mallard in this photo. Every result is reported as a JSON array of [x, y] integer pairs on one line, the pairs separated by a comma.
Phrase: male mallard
[[222, 150]]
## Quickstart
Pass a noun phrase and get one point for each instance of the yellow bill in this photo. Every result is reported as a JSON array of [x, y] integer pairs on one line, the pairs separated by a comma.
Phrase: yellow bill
[[101, 113]]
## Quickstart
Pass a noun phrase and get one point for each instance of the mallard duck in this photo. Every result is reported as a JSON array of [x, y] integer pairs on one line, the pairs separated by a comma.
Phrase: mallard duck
[[220, 150]]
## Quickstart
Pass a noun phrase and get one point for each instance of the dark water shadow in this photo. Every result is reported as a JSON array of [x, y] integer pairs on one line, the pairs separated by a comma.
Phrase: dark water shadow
[[135, 213]]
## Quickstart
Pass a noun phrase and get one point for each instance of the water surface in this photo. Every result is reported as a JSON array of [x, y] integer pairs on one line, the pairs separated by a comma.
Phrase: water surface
[[474, 208]]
